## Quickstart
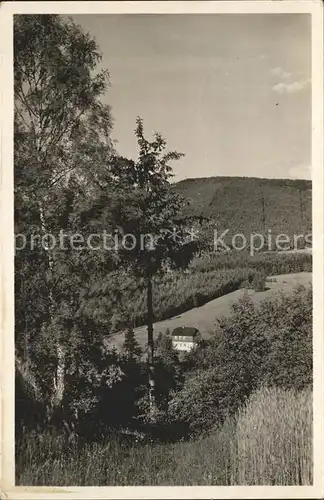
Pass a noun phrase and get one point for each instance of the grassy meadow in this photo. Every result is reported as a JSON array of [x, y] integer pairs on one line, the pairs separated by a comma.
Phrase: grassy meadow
[[268, 442]]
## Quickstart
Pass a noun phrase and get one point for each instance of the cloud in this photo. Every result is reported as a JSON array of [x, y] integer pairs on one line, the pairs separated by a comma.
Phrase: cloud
[[286, 84], [301, 171], [290, 87], [280, 73]]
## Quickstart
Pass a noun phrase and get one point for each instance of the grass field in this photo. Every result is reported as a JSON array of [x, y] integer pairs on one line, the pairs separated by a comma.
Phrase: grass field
[[204, 317], [269, 442]]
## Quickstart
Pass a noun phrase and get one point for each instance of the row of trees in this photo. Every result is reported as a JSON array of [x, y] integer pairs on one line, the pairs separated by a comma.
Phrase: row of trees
[[68, 176]]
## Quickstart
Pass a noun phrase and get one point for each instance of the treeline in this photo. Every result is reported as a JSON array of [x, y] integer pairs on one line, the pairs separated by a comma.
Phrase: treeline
[[208, 277]]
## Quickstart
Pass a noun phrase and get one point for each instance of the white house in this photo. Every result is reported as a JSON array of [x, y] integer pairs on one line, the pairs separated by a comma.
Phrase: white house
[[185, 338]]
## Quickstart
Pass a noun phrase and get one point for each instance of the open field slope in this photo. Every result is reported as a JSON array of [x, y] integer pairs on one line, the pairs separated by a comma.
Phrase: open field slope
[[247, 204], [204, 317]]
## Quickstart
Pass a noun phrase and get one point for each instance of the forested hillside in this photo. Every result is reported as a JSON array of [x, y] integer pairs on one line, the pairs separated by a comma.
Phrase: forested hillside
[[248, 204]]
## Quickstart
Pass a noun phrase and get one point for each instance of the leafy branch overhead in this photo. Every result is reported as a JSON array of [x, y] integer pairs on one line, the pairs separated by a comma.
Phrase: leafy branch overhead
[[151, 207], [58, 110]]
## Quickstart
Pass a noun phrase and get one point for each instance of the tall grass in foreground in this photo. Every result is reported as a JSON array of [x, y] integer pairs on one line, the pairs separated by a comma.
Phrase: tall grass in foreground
[[274, 439], [269, 442]]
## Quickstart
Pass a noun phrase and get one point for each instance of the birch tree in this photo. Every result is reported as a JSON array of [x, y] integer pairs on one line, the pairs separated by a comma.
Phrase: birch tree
[[62, 136]]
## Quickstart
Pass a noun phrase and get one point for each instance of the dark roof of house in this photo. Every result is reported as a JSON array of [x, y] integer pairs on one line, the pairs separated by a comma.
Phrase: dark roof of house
[[185, 331]]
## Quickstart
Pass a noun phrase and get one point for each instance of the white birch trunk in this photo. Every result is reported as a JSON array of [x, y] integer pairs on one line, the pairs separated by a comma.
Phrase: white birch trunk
[[59, 376]]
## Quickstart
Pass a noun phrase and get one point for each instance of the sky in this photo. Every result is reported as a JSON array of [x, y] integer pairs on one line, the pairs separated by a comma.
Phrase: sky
[[230, 91]]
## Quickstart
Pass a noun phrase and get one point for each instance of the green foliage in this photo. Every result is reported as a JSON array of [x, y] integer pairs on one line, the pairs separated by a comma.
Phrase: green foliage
[[270, 263], [163, 343], [59, 118], [259, 282], [168, 370], [151, 207], [270, 344], [202, 401], [91, 372], [287, 325]]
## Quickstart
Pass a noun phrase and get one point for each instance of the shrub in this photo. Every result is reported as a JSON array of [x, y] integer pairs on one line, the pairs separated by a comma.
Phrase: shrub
[[287, 323], [208, 396], [269, 344]]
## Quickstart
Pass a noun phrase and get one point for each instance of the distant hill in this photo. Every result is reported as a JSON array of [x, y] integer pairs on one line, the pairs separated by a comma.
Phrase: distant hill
[[249, 204]]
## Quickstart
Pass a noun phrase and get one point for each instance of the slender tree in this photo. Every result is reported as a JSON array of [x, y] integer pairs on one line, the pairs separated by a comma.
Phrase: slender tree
[[159, 238]]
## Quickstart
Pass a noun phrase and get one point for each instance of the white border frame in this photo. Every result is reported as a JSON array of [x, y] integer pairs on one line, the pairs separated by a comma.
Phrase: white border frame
[[7, 10]]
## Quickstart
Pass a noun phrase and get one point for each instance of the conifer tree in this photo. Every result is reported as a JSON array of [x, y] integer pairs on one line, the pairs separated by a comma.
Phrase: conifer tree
[[160, 236], [131, 347]]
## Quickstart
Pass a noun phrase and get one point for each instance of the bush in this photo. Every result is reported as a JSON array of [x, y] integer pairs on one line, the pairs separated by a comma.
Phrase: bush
[[288, 326], [269, 344], [208, 396]]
